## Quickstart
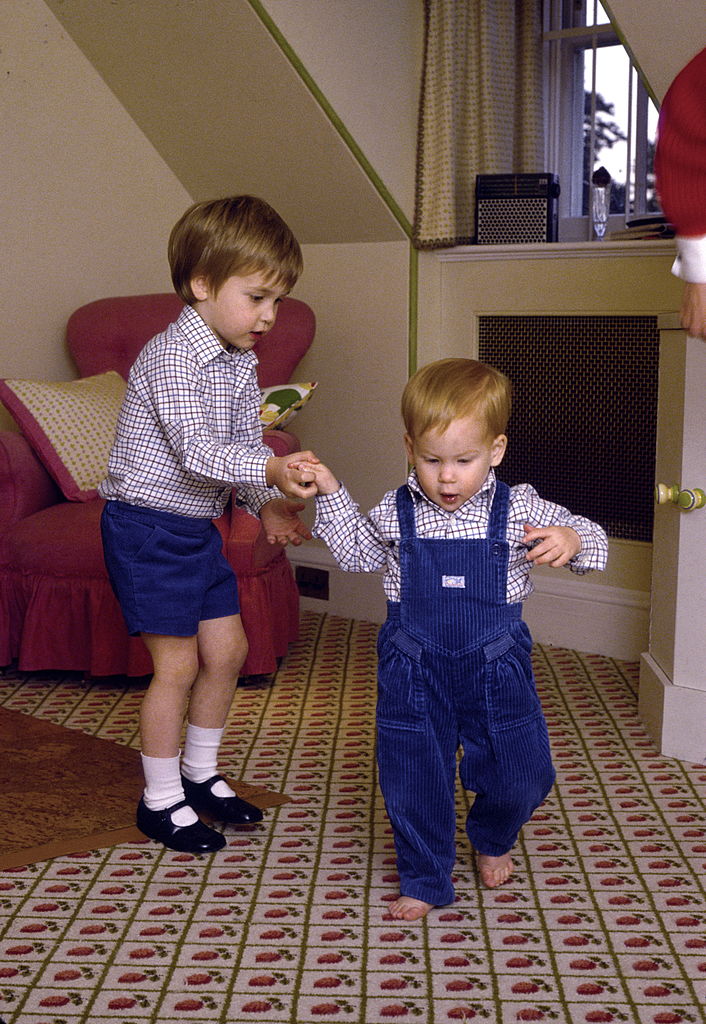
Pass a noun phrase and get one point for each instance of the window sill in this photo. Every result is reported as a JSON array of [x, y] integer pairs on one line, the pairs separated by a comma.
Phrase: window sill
[[557, 250]]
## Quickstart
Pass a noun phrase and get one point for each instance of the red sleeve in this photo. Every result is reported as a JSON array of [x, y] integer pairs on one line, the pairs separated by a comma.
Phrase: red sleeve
[[680, 159]]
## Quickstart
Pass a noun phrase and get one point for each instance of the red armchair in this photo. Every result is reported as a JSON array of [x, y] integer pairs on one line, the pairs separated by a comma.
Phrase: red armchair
[[57, 610]]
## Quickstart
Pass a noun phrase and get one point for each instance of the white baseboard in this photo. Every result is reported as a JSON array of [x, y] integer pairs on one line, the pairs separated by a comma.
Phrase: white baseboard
[[674, 716], [352, 595], [569, 611], [564, 611]]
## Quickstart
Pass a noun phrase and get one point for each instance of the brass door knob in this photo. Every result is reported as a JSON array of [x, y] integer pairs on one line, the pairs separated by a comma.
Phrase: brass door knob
[[664, 493], [690, 499], [686, 499]]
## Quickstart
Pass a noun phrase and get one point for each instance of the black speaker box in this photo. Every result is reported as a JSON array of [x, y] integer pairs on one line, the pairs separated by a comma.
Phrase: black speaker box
[[516, 208]]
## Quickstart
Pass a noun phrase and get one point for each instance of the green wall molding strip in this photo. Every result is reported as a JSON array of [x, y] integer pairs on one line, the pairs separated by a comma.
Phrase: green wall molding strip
[[365, 165]]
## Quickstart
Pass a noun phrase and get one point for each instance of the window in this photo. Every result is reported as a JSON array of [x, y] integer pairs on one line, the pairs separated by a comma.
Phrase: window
[[599, 115]]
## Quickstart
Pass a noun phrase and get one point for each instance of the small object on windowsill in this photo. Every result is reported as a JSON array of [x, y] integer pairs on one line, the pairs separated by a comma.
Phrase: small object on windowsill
[[600, 200], [601, 178], [643, 228]]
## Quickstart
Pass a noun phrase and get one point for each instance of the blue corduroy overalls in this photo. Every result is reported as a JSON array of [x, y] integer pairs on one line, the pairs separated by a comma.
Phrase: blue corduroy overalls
[[454, 670]]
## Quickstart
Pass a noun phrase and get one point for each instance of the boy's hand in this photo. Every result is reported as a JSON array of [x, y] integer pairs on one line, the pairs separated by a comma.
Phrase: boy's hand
[[325, 481], [281, 523], [284, 472], [553, 545], [693, 309]]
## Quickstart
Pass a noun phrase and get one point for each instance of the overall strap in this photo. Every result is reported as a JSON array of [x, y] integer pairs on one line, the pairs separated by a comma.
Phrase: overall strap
[[405, 512], [498, 513]]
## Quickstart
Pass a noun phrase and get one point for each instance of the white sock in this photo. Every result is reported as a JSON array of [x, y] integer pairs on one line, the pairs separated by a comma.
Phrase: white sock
[[200, 760], [163, 788]]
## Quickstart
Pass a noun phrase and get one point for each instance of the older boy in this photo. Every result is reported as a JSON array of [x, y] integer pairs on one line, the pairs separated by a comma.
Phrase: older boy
[[188, 431], [456, 546]]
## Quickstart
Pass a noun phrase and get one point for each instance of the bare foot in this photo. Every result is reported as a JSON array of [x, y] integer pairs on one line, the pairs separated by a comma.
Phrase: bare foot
[[406, 908], [494, 870]]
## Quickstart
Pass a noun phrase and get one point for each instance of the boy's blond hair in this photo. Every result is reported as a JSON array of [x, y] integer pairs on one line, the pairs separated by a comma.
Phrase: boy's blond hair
[[448, 389], [237, 235]]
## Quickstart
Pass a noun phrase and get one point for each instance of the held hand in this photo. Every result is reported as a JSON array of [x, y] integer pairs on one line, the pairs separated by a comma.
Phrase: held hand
[[284, 472], [281, 523], [325, 481], [553, 545], [692, 315]]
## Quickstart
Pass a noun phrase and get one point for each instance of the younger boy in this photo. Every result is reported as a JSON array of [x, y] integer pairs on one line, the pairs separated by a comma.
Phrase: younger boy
[[456, 546], [187, 433]]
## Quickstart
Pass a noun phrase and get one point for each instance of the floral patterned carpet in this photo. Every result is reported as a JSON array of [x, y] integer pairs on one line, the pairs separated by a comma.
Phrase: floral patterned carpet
[[604, 920]]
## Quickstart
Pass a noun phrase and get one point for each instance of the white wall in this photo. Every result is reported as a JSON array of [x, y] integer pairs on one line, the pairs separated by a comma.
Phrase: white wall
[[85, 205], [359, 357], [366, 58]]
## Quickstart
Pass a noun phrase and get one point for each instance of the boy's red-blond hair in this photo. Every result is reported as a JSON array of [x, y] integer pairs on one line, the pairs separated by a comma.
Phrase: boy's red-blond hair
[[448, 389], [237, 235]]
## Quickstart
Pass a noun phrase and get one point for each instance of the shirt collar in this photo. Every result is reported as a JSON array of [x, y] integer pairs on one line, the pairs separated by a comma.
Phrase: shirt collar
[[206, 345], [482, 497]]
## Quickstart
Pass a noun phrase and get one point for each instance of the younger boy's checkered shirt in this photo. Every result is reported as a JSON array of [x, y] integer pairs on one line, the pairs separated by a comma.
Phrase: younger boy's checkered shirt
[[370, 543], [189, 428]]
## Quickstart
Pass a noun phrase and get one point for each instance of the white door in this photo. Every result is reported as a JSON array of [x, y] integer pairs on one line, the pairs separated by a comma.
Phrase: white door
[[673, 671]]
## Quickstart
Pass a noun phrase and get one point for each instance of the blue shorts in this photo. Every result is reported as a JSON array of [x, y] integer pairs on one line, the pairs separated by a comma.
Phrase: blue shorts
[[168, 572]]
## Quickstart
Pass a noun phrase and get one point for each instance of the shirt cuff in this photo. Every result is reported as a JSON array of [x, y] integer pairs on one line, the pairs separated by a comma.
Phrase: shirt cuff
[[331, 506], [250, 466], [592, 554], [253, 498], [690, 264]]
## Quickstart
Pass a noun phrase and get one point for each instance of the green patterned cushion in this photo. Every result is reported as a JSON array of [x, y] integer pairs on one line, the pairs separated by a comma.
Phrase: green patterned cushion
[[282, 401]]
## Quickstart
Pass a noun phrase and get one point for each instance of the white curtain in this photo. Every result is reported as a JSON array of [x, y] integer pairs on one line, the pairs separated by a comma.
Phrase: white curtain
[[481, 109]]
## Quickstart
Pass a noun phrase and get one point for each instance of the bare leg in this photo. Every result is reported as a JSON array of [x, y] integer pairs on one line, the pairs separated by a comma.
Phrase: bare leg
[[179, 680], [223, 647], [201, 673], [176, 666], [161, 813]]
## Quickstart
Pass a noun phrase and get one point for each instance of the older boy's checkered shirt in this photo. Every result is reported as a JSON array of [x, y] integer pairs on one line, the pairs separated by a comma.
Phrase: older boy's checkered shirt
[[189, 429], [371, 543]]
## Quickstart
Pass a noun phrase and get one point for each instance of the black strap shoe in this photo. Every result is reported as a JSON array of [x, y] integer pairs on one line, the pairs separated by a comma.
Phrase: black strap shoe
[[230, 809], [196, 838]]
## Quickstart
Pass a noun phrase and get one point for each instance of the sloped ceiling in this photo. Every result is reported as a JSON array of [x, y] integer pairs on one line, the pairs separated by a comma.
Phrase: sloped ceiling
[[223, 106], [661, 37]]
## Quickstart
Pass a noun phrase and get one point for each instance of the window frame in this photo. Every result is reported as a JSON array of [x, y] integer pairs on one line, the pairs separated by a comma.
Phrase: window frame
[[564, 92]]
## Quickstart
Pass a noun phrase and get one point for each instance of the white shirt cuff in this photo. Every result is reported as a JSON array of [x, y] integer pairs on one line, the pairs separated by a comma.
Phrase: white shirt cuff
[[690, 264]]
